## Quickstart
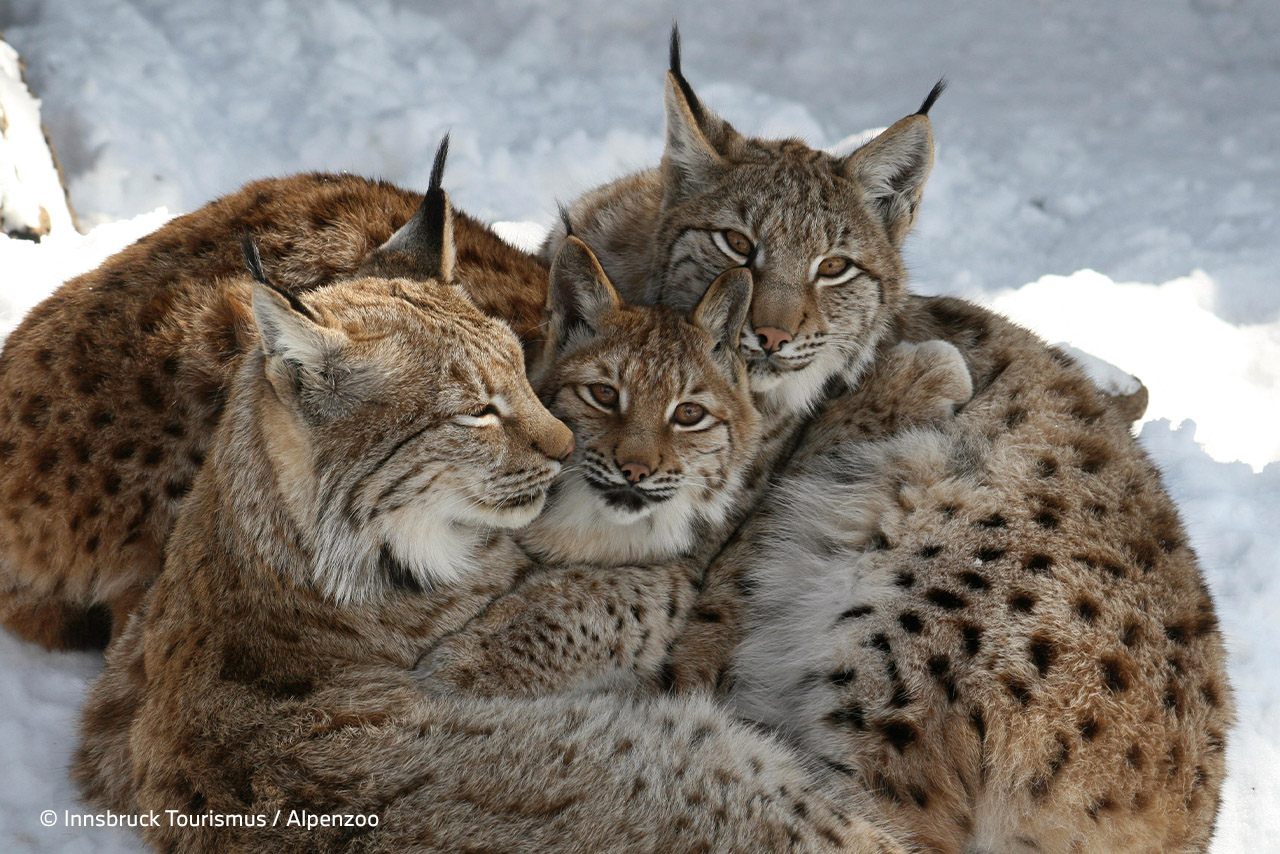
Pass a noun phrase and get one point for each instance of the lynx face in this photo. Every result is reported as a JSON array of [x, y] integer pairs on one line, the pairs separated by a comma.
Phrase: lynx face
[[827, 276], [401, 417], [660, 408]]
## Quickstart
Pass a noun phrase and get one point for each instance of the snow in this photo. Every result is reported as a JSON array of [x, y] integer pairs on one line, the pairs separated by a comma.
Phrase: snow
[[1102, 176]]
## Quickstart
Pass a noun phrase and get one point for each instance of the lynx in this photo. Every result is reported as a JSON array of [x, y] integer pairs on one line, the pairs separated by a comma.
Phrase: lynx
[[111, 388], [248, 684], [996, 626], [821, 234]]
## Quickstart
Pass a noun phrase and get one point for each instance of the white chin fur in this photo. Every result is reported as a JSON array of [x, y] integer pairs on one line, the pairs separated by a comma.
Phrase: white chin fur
[[578, 527]]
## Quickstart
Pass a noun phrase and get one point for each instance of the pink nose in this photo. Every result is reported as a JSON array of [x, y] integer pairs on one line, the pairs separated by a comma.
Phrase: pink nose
[[635, 472], [771, 337]]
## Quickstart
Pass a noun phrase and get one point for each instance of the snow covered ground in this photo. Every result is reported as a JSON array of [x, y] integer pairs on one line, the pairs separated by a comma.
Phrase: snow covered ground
[[1102, 177]]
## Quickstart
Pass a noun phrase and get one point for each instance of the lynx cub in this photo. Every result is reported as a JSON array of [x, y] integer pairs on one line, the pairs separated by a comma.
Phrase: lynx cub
[[243, 687]]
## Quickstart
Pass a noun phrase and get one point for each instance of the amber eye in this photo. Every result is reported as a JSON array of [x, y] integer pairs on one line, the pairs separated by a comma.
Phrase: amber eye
[[688, 414], [737, 241], [604, 394], [833, 266]]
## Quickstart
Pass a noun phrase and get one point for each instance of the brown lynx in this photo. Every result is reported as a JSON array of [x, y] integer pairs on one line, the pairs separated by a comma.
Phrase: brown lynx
[[244, 687], [112, 387]]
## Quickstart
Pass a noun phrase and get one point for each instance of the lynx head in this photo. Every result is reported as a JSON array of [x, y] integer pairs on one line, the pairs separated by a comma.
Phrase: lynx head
[[399, 421], [661, 409], [821, 234]]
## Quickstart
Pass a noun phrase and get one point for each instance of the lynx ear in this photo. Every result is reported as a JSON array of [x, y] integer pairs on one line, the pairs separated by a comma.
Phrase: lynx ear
[[724, 307], [893, 167], [300, 352], [698, 141], [422, 247], [580, 293]]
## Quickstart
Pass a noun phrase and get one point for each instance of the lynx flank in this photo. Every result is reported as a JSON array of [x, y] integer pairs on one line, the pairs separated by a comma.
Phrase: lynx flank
[[110, 389], [996, 627], [241, 688]]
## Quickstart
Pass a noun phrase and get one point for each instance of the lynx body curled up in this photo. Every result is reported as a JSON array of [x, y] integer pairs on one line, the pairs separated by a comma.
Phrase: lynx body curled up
[[244, 687]]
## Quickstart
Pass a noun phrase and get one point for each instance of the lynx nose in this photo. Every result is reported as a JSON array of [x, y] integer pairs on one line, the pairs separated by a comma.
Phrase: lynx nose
[[557, 444], [772, 338], [635, 472]]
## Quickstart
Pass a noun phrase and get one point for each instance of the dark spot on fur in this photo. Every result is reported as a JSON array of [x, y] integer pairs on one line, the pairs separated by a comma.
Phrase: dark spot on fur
[[1043, 653], [111, 483], [1134, 757], [880, 785], [940, 669], [905, 579], [880, 642], [1115, 675], [153, 455], [1131, 635], [177, 489], [901, 734], [1023, 603], [707, 615], [929, 551], [1210, 695], [974, 581], [900, 697], [989, 555], [1038, 563], [856, 611], [1046, 519], [101, 419], [1018, 689], [972, 636], [945, 599], [123, 451], [46, 460], [995, 520], [91, 545], [843, 677], [852, 717], [1046, 467], [911, 623], [1089, 729], [879, 542]]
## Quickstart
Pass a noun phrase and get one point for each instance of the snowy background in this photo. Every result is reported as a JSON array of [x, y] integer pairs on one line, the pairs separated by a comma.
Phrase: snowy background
[[1108, 173]]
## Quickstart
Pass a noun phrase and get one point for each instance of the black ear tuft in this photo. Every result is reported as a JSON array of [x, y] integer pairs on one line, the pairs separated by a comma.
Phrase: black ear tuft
[[437, 167], [695, 106], [435, 207], [564, 218], [938, 89], [253, 260], [675, 50]]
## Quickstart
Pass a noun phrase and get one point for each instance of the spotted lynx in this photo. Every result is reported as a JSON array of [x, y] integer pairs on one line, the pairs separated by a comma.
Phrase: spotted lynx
[[245, 685], [994, 628], [112, 387]]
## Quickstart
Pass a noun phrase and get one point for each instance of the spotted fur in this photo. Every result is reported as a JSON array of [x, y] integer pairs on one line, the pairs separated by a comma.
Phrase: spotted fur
[[243, 686], [110, 389]]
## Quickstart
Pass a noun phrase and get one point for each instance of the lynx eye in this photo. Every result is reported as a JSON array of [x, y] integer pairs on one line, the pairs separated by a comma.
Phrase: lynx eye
[[604, 394], [735, 244], [688, 414], [833, 266], [487, 416]]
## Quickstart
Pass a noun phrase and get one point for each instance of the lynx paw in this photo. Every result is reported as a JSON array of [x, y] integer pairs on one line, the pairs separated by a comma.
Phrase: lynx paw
[[930, 378]]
